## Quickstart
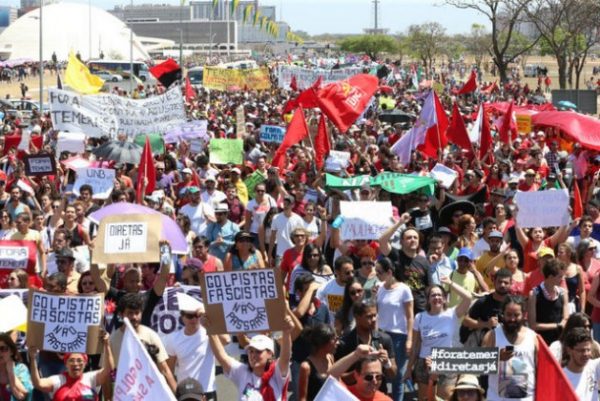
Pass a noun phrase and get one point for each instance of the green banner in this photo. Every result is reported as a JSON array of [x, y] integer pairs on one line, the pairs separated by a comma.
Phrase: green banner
[[223, 151], [335, 182], [156, 143], [252, 181], [403, 184]]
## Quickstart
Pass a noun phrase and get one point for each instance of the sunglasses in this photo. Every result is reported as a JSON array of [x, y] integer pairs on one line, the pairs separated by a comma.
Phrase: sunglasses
[[191, 315], [371, 378]]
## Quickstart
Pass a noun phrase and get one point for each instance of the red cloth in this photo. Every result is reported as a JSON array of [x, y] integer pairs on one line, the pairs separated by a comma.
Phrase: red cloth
[[577, 204], [266, 391], [436, 135], [457, 132], [74, 390], [344, 101], [508, 128], [530, 256], [166, 72], [296, 131], [322, 145], [290, 259], [581, 128], [534, 279], [485, 137], [190, 92], [470, 85], [294, 83], [552, 384], [146, 170]]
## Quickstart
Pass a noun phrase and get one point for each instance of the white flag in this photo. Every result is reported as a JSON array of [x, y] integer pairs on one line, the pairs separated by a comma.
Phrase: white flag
[[334, 390], [138, 377], [475, 132]]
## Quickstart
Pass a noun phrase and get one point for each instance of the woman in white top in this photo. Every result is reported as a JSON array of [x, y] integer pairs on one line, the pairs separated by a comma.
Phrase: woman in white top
[[395, 317], [256, 210], [435, 328]]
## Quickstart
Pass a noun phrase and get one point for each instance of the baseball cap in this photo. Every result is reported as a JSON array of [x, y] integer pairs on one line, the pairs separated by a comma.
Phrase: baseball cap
[[465, 253], [236, 170], [529, 172], [221, 207], [187, 171], [189, 389], [210, 178], [495, 234], [193, 189], [261, 342], [544, 251]]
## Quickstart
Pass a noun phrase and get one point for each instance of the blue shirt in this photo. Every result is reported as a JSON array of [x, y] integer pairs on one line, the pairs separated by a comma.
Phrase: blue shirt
[[227, 231]]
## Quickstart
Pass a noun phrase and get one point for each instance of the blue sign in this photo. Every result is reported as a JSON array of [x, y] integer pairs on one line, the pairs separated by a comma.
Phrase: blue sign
[[272, 133]]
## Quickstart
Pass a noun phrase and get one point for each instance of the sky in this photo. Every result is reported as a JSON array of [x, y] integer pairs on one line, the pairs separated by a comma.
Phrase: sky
[[347, 16]]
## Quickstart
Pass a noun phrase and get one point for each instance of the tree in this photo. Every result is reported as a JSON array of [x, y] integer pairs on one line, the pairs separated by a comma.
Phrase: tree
[[426, 42], [302, 34], [478, 43], [505, 17], [371, 45]]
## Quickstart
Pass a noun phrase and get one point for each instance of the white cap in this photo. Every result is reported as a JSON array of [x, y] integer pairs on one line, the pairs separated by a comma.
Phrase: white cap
[[187, 303], [261, 342]]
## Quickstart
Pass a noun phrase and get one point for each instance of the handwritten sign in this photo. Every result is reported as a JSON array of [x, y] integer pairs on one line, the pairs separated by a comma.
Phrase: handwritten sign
[[112, 115], [39, 165], [166, 317], [188, 131], [252, 181], [129, 238], [102, 181], [235, 80], [523, 123], [365, 220], [472, 360], [272, 133], [64, 323], [337, 160], [243, 301], [305, 77], [72, 142], [223, 151], [18, 255], [240, 122], [446, 175], [542, 208]]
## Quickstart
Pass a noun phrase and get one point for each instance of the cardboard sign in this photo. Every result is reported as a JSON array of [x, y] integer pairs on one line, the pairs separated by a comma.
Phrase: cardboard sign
[[243, 301], [39, 165], [446, 175], [542, 208], [166, 317], [337, 160], [72, 142], [252, 181], [365, 220], [102, 181], [523, 123], [18, 255], [128, 238], [272, 133], [138, 377], [65, 323], [225, 79], [471, 360], [223, 151], [240, 122], [111, 115]]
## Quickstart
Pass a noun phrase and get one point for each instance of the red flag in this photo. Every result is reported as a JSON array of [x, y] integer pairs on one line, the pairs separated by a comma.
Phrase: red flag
[[294, 83], [551, 382], [307, 98], [146, 170], [470, 85], [296, 131], [190, 92], [491, 88], [322, 146], [508, 130], [457, 131], [485, 137], [344, 101], [435, 138], [166, 72], [577, 203]]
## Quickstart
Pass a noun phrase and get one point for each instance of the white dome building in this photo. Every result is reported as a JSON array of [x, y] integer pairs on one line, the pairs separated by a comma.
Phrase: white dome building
[[66, 27]]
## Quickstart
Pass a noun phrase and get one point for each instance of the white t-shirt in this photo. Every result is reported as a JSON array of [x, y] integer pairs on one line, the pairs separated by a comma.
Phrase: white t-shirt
[[332, 295], [435, 330], [259, 212], [216, 197], [313, 228], [391, 316], [197, 215], [248, 383], [284, 227], [88, 379], [195, 358], [586, 382]]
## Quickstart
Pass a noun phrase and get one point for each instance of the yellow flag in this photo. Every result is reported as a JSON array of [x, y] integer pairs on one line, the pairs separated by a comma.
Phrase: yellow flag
[[80, 79]]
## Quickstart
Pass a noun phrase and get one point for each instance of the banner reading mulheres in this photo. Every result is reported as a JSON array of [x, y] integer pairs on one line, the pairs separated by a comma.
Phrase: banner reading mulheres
[[128, 238], [243, 301], [225, 79], [99, 115], [64, 323]]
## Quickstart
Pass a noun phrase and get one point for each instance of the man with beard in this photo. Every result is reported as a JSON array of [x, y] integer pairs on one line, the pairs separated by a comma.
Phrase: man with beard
[[518, 354], [483, 315], [495, 242]]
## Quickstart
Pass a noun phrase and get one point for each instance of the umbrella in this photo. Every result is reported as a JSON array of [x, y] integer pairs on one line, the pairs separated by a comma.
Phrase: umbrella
[[396, 116], [170, 229], [119, 151], [565, 104]]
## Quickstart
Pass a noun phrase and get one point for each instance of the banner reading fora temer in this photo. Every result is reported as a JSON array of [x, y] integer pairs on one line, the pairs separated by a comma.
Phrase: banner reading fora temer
[[64, 323], [243, 301], [228, 79]]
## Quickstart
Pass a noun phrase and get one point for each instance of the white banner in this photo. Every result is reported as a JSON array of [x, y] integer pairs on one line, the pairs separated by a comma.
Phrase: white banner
[[542, 208], [138, 377], [102, 181], [305, 77], [334, 390], [99, 115], [365, 220]]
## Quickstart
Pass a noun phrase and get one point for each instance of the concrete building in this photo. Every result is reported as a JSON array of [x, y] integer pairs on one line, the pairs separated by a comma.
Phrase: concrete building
[[8, 15]]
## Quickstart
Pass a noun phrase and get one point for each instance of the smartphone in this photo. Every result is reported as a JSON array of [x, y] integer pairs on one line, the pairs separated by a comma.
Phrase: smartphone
[[509, 348]]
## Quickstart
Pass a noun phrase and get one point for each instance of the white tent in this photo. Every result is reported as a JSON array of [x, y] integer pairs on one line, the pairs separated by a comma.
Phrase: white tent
[[66, 26]]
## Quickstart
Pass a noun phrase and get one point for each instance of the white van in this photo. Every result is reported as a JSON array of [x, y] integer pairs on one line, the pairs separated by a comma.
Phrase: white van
[[240, 65]]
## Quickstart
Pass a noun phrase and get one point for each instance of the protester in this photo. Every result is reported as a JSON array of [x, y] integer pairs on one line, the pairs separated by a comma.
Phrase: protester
[[16, 383], [313, 371]]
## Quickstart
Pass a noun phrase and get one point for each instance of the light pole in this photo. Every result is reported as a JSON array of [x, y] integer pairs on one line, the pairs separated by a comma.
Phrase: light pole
[[181, 34], [131, 55], [41, 58]]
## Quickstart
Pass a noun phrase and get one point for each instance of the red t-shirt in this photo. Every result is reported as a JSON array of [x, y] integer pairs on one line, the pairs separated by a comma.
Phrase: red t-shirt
[[290, 259], [530, 256], [534, 279], [378, 396]]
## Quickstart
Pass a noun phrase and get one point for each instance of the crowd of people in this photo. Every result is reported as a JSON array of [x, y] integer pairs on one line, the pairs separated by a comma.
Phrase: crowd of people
[[453, 269]]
